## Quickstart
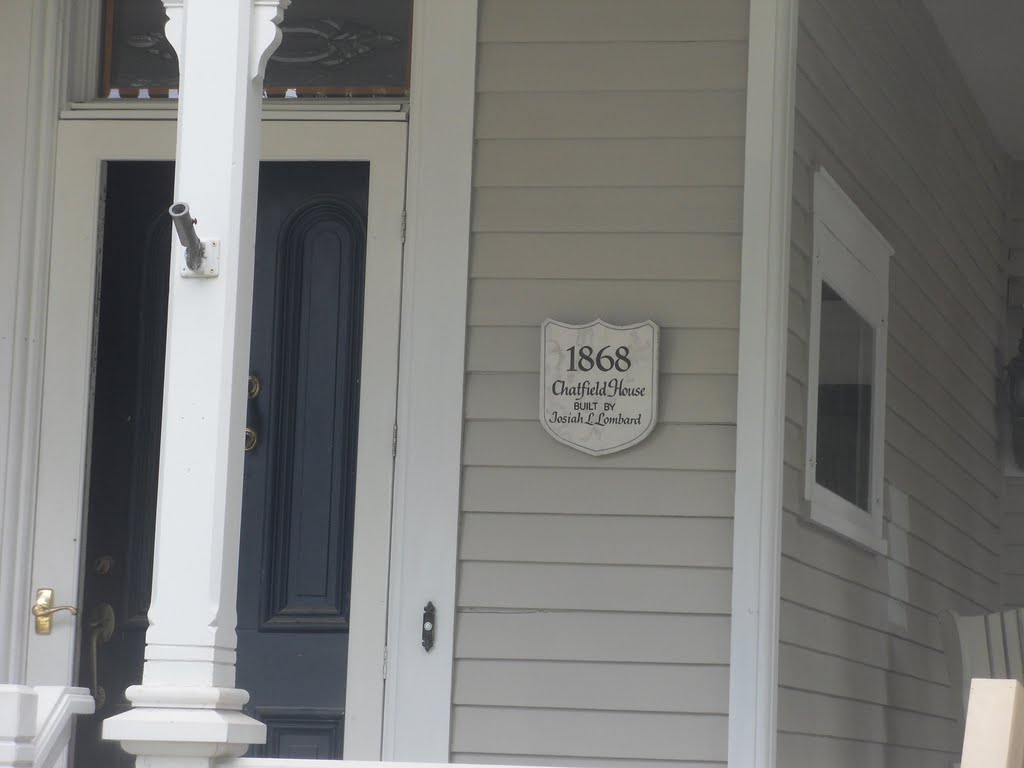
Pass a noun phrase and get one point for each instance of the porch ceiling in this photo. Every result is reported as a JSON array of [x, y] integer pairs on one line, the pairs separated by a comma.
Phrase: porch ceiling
[[986, 38]]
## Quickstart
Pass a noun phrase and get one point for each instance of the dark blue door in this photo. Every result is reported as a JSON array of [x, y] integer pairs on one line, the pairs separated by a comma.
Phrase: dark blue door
[[295, 565], [296, 543]]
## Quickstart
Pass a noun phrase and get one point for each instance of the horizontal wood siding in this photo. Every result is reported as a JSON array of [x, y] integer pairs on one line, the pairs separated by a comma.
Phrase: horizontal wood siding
[[594, 593], [881, 107], [1013, 530]]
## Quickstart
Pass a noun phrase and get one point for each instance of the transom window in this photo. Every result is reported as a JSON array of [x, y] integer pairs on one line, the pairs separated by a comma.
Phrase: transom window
[[847, 368], [329, 48]]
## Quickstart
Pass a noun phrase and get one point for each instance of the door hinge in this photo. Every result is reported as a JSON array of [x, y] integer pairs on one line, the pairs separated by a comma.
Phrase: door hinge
[[403, 226], [394, 440], [384, 668]]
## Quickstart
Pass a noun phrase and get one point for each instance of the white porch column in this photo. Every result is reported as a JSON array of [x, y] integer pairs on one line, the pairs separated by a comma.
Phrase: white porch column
[[761, 395], [187, 705]]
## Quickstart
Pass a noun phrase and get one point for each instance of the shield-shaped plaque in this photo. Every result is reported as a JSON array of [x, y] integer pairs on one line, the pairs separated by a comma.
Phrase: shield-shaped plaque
[[599, 384]]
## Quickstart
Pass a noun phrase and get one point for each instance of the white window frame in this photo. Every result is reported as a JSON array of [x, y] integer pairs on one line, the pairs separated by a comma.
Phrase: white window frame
[[853, 258]]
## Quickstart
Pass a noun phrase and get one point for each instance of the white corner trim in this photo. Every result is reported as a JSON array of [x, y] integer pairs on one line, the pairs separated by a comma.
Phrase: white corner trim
[[57, 706], [431, 373], [28, 268], [764, 294]]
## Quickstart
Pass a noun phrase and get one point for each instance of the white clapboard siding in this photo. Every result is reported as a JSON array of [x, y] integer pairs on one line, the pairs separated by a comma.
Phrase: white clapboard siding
[[670, 446], [802, 669], [597, 491], [575, 636], [797, 750], [884, 100], [582, 587], [653, 735], [607, 256], [594, 685], [612, 66], [594, 593], [611, 114], [611, 539], [819, 590], [830, 556], [582, 762], [527, 21], [607, 209], [834, 716], [862, 672], [609, 162], [1013, 502], [677, 303], [808, 628]]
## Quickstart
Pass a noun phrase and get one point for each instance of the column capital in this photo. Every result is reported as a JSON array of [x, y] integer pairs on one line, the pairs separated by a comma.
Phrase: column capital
[[266, 33], [174, 29]]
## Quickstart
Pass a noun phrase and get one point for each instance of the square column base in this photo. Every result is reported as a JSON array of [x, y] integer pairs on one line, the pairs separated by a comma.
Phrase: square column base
[[171, 725]]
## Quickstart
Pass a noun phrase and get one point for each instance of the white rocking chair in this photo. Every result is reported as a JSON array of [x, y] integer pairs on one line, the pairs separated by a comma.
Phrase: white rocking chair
[[987, 646]]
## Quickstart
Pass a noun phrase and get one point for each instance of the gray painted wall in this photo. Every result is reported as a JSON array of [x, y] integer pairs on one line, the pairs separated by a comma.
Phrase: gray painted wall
[[594, 593], [1013, 525], [881, 106]]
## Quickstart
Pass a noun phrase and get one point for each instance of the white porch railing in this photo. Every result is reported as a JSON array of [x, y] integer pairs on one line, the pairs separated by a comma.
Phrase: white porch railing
[[273, 762], [35, 723], [267, 762]]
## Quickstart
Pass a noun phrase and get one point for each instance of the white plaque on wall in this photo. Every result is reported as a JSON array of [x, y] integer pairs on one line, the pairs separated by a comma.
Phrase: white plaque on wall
[[599, 384]]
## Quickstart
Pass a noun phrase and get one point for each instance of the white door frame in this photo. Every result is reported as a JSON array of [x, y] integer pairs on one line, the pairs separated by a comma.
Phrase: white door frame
[[83, 146], [761, 395], [428, 471]]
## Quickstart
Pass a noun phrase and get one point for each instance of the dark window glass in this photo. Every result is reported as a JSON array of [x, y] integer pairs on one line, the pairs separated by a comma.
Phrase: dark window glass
[[845, 374], [330, 48]]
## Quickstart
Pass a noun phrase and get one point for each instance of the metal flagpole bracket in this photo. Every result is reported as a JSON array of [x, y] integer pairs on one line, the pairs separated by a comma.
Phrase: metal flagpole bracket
[[201, 258]]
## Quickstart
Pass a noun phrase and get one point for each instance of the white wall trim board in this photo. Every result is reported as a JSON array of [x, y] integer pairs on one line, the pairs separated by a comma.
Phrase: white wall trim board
[[85, 47], [28, 269], [764, 290], [433, 341]]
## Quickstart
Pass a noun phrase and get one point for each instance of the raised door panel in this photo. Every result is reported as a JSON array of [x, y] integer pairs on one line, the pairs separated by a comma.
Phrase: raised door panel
[[299, 493]]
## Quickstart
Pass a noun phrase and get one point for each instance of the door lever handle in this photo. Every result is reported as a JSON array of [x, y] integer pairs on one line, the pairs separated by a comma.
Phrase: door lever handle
[[102, 625], [43, 610]]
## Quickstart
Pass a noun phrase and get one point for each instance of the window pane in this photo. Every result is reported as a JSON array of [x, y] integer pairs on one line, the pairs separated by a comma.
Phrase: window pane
[[845, 373], [343, 48], [330, 48]]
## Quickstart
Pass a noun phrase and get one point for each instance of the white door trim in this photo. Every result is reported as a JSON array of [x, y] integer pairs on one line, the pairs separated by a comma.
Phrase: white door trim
[[30, 55], [428, 465], [764, 298], [82, 148]]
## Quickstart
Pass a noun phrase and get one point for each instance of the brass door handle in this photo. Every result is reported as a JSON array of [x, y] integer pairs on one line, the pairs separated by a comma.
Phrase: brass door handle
[[102, 625], [43, 610]]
